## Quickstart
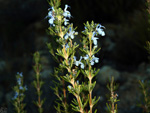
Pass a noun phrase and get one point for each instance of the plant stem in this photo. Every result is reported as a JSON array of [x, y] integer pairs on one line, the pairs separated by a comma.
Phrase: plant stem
[[90, 78], [78, 98], [64, 92], [112, 95], [38, 88], [63, 82]]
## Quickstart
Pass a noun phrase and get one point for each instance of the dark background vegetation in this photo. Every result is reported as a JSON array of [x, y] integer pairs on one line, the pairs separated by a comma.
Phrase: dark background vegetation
[[23, 31]]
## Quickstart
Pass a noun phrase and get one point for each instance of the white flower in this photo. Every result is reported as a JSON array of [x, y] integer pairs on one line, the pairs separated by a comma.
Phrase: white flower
[[94, 59], [69, 87], [19, 81], [82, 65], [65, 21], [77, 81], [51, 21], [66, 36], [92, 62], [100, 30], [77, 63], [86, 57], [94, 40], [66, 13], [71, 33], [51, 16]]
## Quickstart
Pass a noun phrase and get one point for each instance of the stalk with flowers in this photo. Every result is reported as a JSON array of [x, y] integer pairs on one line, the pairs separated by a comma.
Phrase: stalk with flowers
[[19, 94], [90, 48], [68, 72], [63, 33]]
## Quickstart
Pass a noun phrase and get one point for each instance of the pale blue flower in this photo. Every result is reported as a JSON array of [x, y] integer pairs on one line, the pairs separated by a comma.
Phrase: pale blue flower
[[77, 81], [71, 33], [66, 36], [117, 95], [77, 63], [66, 13], [21, 88], [100, 30], [50, 13], [74, 57], [51, 21], [86, 57], [69, 86], [51, 16], [92, 62], [16, 95], [66, 6], [94, 40], [66, 21], [21, 74], [82, 65], [94, 59], [19, 81]]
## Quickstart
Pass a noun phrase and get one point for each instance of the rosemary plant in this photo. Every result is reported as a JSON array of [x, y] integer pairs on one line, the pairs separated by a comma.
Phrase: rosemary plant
[[38, 83], [145, 85], [63, 32], [19, 94], [112, 106], [68, 71], [146, 96], [90, 48]]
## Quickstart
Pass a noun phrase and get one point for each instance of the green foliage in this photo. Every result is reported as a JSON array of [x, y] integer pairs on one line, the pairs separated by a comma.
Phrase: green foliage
[[147, 47], [37, 83], [72, 76], [68, 70], [144, 87], [19, 94], [112, 106]]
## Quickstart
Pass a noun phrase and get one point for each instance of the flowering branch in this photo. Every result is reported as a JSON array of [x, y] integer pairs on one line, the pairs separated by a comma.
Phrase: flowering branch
[[19, 94], [65, 55], [60, 27], [90, 48]]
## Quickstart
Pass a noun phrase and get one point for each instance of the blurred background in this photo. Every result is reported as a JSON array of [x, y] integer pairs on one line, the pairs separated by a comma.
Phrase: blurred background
[[23, 31]]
